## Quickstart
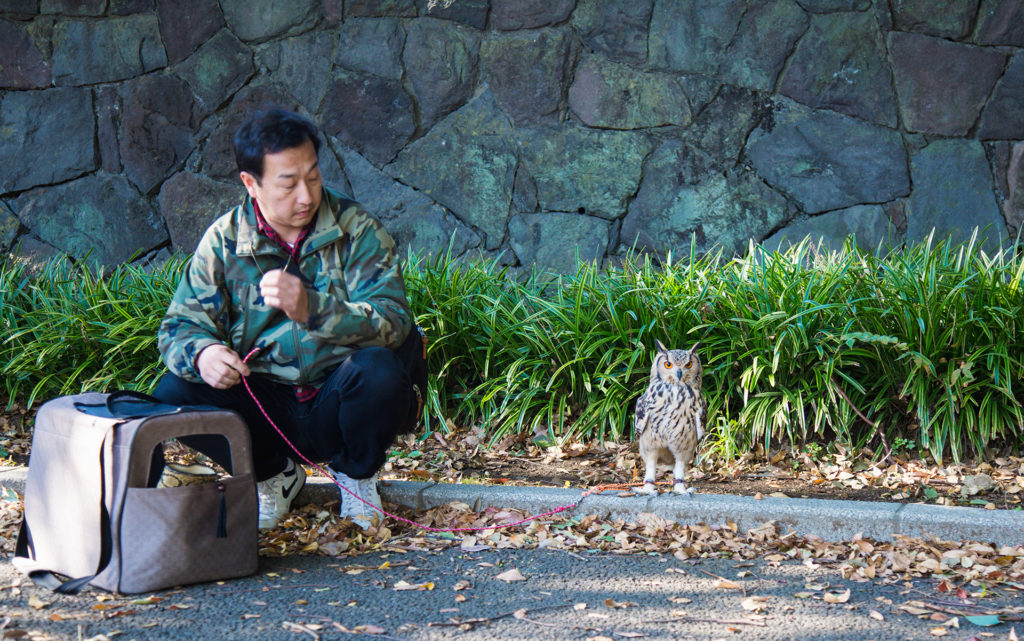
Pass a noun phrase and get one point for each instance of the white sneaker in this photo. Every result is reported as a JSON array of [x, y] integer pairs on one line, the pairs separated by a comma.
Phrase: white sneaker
[[351, 505], [277, 493]]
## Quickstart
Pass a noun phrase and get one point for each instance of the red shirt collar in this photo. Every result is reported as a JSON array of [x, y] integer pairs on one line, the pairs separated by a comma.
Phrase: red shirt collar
[[264, 228]]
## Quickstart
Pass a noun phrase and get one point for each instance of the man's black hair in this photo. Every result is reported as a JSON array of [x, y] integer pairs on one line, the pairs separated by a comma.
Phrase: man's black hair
[[268, 132]]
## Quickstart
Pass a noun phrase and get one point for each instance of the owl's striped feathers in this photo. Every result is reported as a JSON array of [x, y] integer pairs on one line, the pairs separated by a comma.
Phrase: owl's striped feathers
[[670, 415]]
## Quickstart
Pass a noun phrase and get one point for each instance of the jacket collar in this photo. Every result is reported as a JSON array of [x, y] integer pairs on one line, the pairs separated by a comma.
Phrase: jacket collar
[[325, 230]]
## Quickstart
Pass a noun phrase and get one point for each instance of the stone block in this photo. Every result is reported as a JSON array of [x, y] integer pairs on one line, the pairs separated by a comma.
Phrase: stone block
[[55, 128], [108, 120], [832, 6], [616, 29], [764, 41], [160, 115], [189, 203], [552, 242], [528, 72], [33, 253], [840, 64], [825, 160], [942, 85], [571, 169], [722, 207], [380, 8], [371, 46], [937, 18], [372, 115], [467, 163], [186, 24], [259, 20], [1008, 161], [1003, 117], [417, 223], [100, 216], [9, 227], [90, 52], [692, 36], [22, 65], [468, 12], [22, 7], [1000, 22], [129, 7], [720, 131], [301, 63], [441, 66], [953, 193], [219, 68], [611, 95], [73, 7], [868, 224], [509, 15]]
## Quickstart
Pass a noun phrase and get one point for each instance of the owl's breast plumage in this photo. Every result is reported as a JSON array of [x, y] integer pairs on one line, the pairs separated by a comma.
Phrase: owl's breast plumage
[[669, 413]]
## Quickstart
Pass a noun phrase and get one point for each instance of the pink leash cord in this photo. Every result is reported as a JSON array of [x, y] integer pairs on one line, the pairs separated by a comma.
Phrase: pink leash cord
[[381, 510]]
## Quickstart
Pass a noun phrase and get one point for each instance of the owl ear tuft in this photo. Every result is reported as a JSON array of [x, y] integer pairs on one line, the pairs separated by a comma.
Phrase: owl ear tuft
[[661, 348], [696, 346]]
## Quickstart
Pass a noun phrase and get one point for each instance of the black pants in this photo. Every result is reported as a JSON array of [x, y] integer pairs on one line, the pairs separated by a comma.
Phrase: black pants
[[349, 424]]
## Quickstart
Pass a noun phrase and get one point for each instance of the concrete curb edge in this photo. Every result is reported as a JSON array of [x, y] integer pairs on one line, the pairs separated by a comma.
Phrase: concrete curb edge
[[832, 520]]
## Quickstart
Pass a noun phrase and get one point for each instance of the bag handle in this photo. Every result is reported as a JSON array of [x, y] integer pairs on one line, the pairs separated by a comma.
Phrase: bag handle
[[213, 421], [127, 405]]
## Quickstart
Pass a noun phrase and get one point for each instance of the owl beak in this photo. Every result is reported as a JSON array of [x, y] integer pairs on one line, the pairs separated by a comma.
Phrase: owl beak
[[679, 374]]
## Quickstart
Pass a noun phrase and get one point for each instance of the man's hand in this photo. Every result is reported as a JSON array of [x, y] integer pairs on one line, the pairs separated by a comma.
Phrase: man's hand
[[221, 367], [286, 292]]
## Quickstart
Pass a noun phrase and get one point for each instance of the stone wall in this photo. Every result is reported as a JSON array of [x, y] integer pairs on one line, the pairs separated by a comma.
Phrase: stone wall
[[529, 129]]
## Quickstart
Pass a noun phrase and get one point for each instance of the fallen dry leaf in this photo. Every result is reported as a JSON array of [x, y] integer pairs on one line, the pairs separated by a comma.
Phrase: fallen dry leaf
[[405, 585], [612, 603], [511, 575], [36, 602], [876, 615], [754, 603], [837, 597]]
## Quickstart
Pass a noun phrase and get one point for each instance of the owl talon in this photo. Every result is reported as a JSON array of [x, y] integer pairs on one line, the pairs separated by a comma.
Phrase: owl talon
[[680, 488], [648, 488]]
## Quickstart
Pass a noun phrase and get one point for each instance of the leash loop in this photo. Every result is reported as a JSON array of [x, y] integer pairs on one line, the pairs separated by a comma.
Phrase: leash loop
[[426, 528]]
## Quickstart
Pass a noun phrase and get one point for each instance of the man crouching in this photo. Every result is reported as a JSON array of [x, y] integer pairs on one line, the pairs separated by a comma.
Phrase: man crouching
[[311, 281]]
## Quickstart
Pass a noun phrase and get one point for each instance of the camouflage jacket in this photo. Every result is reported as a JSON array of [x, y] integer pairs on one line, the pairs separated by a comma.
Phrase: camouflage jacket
[[352, 275]]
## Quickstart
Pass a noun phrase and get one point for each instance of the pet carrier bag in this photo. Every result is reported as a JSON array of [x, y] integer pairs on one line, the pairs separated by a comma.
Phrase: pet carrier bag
[[90, 515]]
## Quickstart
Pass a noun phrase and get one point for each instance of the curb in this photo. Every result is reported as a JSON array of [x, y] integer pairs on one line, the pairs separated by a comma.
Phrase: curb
[[832, 520]]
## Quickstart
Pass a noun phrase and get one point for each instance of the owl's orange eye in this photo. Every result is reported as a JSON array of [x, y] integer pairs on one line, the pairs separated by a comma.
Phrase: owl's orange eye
[[668, 365], [689, 364]]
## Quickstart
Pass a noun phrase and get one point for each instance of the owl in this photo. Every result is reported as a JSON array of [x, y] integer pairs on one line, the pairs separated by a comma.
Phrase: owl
[[670, 415]]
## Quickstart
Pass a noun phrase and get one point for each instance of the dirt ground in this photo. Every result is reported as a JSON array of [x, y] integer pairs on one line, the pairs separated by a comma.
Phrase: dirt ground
[[465, 457]]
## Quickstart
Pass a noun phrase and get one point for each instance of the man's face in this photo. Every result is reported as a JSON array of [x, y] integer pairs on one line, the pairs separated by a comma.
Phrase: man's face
[[289, 194]]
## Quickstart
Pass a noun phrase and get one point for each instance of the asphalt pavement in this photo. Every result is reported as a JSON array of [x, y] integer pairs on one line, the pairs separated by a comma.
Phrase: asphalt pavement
[[420, 595]]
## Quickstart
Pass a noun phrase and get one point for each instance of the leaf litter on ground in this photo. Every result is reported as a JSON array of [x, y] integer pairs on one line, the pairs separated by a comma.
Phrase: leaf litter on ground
[[968, 570]]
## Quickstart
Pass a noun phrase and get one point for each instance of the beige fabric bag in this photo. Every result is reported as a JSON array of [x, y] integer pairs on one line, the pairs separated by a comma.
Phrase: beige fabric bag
[[90, 517]]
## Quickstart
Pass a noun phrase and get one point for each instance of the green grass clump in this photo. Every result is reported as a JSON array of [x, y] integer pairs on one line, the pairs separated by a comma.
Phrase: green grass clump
[[67, 328], [922, 345]]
